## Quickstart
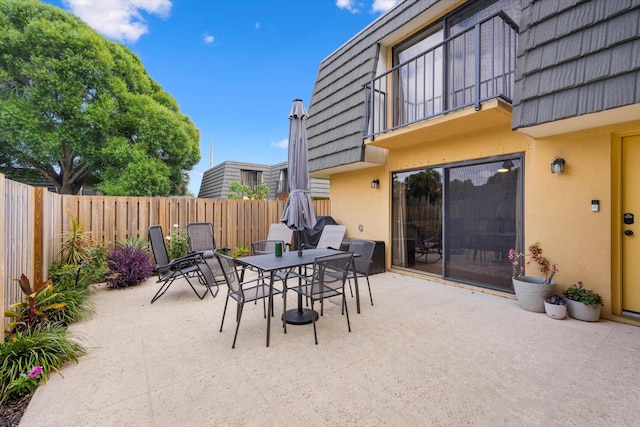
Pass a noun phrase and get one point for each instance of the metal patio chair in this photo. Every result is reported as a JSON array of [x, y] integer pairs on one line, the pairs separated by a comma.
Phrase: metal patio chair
[[190, 267], [328, 280], [242, 291], [266, 246], [202, 241], [332, 236], [280, 231], [363, 248]]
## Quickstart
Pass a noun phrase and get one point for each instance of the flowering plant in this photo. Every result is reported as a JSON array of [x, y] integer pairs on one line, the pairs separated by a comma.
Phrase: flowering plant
[[577, 292], [26, 384], [177, 242], [534, 252], [128, 266]]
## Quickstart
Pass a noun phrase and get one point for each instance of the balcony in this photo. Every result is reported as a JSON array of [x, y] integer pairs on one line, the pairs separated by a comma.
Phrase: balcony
[[463, 70]]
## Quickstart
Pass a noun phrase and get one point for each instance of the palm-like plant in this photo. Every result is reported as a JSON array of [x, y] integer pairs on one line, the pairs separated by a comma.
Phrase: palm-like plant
[[75, 244]]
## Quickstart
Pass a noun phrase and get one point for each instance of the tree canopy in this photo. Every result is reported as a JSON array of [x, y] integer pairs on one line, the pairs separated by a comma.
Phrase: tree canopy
[[81, 109]]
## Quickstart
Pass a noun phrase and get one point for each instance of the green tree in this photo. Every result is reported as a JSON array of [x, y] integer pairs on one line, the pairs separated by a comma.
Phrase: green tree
[[81, 109], [240, 191]]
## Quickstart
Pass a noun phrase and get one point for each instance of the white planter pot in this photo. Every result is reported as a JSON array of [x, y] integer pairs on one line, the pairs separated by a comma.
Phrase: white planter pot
[[580, 311], [531, 292], [555, 311]]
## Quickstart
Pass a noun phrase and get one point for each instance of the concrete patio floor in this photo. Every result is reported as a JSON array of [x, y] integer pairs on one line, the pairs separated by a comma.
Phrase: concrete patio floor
[[424, 354]]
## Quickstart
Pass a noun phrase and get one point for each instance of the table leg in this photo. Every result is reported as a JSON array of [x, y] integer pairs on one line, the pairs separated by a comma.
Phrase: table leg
[[269, 307], [355, 281]]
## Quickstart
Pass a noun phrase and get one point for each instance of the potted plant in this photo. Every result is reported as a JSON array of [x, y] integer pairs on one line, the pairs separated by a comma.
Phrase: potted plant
[[556, 306], [532, 291], [583, 304]]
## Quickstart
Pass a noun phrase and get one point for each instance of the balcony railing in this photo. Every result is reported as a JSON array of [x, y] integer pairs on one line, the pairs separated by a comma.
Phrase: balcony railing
[[466, 69]]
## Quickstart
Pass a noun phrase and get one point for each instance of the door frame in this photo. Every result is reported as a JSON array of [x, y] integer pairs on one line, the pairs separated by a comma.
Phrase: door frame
[[616, 219]]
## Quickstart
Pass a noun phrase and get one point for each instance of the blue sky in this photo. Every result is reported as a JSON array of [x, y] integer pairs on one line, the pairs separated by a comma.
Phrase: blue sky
[[234, 66]]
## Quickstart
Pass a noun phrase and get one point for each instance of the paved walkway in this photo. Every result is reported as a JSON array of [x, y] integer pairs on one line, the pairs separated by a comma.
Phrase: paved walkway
[[424, 354]]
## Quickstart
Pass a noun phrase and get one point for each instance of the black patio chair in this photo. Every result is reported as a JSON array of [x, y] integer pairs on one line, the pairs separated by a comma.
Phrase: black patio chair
[[363, 248], [242, 291], [190, 267], [426, 245], [327, 280], [202, 241], [266, 246]]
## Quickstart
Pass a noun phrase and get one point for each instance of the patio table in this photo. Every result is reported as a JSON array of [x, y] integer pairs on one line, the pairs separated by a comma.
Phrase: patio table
[[269, 263]]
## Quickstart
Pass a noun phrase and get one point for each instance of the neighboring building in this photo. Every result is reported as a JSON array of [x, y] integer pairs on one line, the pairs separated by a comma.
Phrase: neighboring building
[[215, 181], [35, 179], [458, 109]]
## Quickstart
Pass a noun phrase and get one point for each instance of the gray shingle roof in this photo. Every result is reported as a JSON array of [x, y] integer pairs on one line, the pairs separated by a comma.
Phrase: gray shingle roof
[[576, 57], [336, 113]]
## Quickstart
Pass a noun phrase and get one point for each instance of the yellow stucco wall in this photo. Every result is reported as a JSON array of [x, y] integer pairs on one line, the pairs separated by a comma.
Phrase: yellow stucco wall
[[557, 206]]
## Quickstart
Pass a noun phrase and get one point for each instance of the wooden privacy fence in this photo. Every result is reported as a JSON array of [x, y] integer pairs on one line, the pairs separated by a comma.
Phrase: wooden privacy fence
[[35, 220]]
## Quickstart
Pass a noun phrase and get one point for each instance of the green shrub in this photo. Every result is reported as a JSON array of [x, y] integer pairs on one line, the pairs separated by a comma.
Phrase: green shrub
[[49, 346], [76, 305], [177, 243], [96, 268]]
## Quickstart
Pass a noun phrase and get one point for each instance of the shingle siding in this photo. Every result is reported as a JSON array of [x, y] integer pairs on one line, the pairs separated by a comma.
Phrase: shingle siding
[[336, 121], [579, 57]]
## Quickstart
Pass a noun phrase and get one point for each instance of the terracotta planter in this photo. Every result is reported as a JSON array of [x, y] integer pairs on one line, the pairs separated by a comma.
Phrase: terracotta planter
[[580, 311], [555, 311], [531, 292]]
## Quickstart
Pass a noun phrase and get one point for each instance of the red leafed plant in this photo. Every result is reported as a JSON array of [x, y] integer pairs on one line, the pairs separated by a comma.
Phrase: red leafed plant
[[27, 312]]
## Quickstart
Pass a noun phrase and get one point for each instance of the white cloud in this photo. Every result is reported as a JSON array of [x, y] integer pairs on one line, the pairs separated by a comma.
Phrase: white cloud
[[349, 5], [207, 39], [257, 25], [384, 5], [284, 144], [118, 19]]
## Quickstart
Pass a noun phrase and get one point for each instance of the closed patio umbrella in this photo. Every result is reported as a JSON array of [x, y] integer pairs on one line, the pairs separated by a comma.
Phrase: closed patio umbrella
[[298, 211]]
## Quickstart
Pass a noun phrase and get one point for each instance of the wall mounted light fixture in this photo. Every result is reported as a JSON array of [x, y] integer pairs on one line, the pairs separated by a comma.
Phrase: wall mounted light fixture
[[506, 166], [557, 166], [375, 183]]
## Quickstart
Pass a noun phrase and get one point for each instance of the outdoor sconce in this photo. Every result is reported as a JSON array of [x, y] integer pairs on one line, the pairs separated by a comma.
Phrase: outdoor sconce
[[557, 166], [506, 166], [375, 183]]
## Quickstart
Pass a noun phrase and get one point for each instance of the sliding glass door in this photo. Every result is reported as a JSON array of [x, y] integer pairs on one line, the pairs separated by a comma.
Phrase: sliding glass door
[[459, 220]]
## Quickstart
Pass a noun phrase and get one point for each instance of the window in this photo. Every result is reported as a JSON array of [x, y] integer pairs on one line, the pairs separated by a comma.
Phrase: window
[[471, 211], [250, 177], [283, 182], [419, 96]]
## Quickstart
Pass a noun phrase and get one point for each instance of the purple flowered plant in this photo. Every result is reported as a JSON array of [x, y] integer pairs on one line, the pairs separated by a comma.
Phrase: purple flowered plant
[[128, 266], [35, 371], [26, 383]]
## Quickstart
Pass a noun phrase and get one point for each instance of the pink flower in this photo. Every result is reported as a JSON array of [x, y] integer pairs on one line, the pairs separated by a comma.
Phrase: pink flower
[[35, 371]]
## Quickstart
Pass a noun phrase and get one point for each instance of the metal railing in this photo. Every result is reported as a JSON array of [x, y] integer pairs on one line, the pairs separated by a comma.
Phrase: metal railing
[[466, 69]]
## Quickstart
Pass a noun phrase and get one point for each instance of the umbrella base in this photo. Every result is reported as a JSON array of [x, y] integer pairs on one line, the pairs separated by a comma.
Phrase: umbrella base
[[300, 317]]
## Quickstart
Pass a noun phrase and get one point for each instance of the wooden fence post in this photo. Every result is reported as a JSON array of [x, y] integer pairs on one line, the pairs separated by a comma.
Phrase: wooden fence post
[[37, 235], [3, 245]]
